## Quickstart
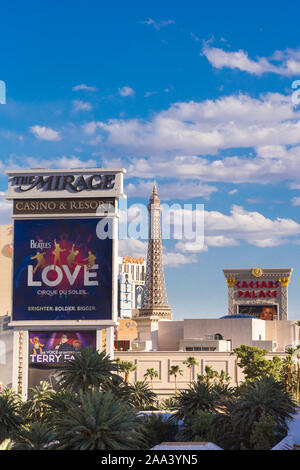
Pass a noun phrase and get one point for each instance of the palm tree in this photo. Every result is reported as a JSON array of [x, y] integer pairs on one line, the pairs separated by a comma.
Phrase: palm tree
[[264, 434], [297, 349], [175, 370], [100, 422], [287, 369], [117, 386], [191, 362], [87, 370], [127, 367], [10, 416], [36, 407], [118, 362], [158, 429], [140, 396], [197, 427], [59, 403], [199, 396], [264, 396], [151, 373], [210, 374], [169, 403], [223, 377], [13, 396], [35, 436]]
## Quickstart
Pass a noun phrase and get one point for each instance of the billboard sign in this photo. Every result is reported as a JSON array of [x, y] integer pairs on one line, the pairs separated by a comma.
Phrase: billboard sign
[[97, 182], [37, 207], [263, 312], [62, 270], [52, 348], [139, 289]]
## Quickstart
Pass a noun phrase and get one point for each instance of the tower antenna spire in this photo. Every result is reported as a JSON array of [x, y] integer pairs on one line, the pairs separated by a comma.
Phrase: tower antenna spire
[[155, 301]]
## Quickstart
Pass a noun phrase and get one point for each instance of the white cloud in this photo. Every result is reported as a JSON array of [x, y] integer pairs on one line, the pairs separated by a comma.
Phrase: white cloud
[[150, 93], [287, 63], [220, 240], [272, 151], [132, 247], [296, 201], [61, 162], [249, 226], [185, 141], [157, 24], [138, 249], [229, 169], [126, 91], [84, 87], [45, 133], [176, 259], [194, 37], [255, 200], [209, 240], [294, 186], [191, 128], [6, 134], [241, 225], [79, 105], [182, 190], [233, 191], [89, 127]]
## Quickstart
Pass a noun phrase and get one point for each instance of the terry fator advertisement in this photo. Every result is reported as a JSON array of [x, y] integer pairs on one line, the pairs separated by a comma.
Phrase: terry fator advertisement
[[52, 348], [62, 271]]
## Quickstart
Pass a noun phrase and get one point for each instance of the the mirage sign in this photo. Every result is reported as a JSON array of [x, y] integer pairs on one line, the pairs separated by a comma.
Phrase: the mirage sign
[[65, 184], [62, 270]]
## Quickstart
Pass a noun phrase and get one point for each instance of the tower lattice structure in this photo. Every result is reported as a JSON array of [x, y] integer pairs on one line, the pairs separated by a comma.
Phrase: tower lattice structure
[[155, 301]]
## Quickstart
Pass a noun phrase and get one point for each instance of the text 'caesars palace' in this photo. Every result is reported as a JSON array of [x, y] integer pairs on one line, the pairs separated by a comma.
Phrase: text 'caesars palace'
[[64, 287]]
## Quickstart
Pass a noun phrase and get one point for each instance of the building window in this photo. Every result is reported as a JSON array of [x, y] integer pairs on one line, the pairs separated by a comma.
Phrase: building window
[[121, 345], [200, 348]]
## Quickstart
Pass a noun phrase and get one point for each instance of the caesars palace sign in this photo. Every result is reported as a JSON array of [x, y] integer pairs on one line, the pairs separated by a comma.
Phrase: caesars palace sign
[[257, 289]]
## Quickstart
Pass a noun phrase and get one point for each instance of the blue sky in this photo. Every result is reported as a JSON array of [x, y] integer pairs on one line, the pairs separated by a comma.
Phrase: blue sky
[[196, 96]]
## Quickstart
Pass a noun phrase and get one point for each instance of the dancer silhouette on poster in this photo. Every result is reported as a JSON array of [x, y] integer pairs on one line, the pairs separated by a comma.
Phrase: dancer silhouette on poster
[[41, 262]]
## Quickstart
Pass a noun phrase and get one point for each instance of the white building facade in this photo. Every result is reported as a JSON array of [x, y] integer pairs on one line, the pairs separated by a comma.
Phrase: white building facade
[[131, 281]]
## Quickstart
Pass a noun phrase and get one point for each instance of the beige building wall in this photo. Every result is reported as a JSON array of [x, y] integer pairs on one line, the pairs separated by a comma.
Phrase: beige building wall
[[239, 330], [169, 335], [162, 361], [284, 332], [6, 357], [127, 329], [5, 269]]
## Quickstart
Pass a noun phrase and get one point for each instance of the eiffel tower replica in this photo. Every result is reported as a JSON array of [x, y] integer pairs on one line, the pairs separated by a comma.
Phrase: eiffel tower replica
[[155, 306]]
